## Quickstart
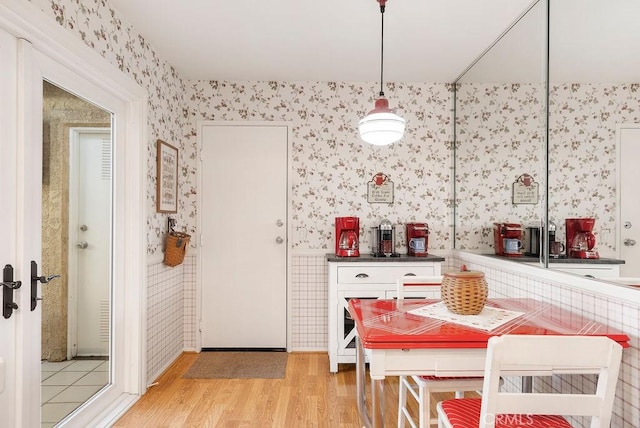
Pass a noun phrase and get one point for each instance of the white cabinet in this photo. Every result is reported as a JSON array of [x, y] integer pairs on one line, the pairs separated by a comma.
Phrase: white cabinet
[[595, 270], [367, 279]]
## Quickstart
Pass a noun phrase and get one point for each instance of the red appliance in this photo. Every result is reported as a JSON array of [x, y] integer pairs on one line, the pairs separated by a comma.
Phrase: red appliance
[[580, 238], [347, 237], [507, 239], [417, 239]]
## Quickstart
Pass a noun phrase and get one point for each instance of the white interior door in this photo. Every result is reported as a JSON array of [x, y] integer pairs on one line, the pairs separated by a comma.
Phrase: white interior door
[[69, 63], [629, 221], [89, 241], [243, 215], [8, 186]]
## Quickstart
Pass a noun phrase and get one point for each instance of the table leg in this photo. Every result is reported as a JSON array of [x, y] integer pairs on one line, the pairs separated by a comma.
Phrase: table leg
[[361, 393], [527, 384], [377, 402]]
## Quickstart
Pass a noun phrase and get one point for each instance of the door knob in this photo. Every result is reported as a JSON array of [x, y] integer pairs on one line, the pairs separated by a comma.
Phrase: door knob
[[279, 240], [629, 242], [82, 245], [279, 223]]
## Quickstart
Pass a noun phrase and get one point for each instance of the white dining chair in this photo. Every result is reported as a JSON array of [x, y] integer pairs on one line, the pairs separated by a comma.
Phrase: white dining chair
[[527, 355], [421, 387]]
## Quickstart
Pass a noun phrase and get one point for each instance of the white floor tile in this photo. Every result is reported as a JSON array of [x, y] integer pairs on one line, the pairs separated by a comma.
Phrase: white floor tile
[[76, 394], [63, 378], [48, 392], [103, 367], [94, 378], [55, 412], [82, 366], [47, 366]]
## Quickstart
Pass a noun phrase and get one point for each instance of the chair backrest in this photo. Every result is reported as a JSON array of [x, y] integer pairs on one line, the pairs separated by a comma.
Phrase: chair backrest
[[416, 281], [529, 355]]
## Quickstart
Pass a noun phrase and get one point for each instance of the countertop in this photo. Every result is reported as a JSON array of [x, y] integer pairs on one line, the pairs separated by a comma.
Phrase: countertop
[[531, 259], [368, 258]]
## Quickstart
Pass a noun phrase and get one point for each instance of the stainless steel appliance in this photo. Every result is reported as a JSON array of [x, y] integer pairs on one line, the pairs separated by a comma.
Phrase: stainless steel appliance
[[532, 244], [383, 240], [534, 239]]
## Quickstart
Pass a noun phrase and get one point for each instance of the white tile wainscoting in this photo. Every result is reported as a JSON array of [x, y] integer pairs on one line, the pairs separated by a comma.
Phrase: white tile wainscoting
[[172, 327], [618, 307]]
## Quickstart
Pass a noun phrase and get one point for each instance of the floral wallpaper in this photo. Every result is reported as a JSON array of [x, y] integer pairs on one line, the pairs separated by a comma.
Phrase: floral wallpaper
[[500, 131], [582, 155], [100, 27], [331, 165]]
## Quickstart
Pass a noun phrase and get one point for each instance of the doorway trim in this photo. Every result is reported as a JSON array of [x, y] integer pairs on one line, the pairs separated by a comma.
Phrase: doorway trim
[[66, 53], [199, 177], [75, 134], [619, 128]]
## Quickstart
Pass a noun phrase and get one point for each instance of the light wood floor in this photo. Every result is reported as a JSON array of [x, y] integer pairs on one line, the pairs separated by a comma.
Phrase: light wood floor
[[308, 396]]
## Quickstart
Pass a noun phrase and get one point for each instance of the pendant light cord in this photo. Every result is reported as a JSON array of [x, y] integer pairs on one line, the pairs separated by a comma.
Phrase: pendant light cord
[[381, 48]]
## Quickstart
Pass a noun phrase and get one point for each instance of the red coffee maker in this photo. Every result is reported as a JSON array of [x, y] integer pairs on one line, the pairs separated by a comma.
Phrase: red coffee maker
[[347, 237], [580, 238], [417, 239], [507, 239]]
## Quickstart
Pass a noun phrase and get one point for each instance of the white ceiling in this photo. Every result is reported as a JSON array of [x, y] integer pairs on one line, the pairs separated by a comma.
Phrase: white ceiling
[[319, 40], [425, 40]]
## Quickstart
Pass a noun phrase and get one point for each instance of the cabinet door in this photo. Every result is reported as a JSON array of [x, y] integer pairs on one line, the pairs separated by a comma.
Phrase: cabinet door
[[346, 326]]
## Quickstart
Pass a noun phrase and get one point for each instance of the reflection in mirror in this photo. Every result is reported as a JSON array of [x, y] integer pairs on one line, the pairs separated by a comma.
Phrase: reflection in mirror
[[500, 134], [594, 94], [76, 243]]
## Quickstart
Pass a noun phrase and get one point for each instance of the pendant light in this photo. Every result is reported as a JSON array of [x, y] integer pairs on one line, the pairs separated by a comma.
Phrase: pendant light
[[381, 126]]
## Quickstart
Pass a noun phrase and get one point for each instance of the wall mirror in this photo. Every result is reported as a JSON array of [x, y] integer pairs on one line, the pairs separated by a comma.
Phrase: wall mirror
[[593, 76], [594, 95], [76, 243], [500, 133]]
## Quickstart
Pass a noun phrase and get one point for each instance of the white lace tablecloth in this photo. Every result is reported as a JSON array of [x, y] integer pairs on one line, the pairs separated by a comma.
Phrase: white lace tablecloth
[[488, 319]]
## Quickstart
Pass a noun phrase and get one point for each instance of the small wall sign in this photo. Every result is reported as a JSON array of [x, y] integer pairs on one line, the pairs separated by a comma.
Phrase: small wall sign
[[380, 189], [525, 190]]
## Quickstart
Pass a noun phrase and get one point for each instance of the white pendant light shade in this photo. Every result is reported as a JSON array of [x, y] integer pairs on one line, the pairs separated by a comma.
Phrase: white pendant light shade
[[381, 126]]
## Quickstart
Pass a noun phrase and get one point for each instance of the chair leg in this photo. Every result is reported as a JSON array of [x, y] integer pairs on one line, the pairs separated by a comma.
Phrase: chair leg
[[402, 400], [425, 407], [459, 394]]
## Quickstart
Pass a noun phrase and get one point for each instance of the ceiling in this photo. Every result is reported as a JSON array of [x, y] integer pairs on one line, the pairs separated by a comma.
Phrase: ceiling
[[319, 40], [425, 40]]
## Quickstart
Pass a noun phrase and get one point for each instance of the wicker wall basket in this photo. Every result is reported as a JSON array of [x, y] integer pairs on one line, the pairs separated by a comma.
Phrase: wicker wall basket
[[175, 248], [464, 292]]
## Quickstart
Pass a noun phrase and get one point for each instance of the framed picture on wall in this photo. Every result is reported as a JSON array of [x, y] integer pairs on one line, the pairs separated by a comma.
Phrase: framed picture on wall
[[167, 178]]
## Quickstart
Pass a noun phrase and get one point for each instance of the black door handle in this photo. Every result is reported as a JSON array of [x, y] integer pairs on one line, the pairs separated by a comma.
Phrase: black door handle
[[34, 283], [8, 285]]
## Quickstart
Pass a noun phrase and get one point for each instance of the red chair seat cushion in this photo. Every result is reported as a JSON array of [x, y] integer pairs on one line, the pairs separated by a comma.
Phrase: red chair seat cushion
[[465, 413]]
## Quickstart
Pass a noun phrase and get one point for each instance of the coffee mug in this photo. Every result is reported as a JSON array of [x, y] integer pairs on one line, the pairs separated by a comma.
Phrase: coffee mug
[[512, 246], [416, 244], [556, 248]]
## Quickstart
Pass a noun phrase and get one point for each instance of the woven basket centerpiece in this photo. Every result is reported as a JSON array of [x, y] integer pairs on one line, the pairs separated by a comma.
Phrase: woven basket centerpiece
[[464, 292]]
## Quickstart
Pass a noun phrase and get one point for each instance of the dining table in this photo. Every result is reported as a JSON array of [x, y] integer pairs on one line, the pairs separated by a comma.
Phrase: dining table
[[422, 337]]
